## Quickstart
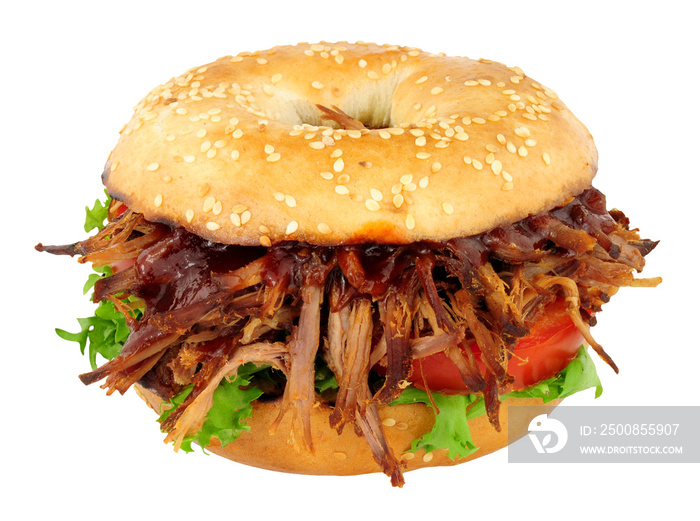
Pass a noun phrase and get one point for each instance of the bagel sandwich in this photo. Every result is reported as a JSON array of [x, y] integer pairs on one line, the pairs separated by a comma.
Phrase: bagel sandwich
[[343, 258]]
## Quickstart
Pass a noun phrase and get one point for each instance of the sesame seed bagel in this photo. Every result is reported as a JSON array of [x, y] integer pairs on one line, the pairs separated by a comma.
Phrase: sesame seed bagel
[[431, 147], [348, 454]]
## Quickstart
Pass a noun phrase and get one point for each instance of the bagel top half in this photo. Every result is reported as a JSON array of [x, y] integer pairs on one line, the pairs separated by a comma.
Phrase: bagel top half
[[238, 152]]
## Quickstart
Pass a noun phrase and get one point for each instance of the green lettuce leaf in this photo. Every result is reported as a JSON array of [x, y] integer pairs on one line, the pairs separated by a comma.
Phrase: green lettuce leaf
[[96, 217], [232, 406], [106, 331], [451, 429], [579, 375]]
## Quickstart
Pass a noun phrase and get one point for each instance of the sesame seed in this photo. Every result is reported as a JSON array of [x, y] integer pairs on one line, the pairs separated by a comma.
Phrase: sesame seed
[[435, 167], [477, 164], [339, 165], [522, 132], [410, 187], [422, 155], [158, 200], [265, 241], [484, 82], [511, 147], [386, 68], [327, 175], [208, 204], [546, 158], [447, 208], [279, 196], [420, 141], [376, 194], [384, 134], [507, 186], [406, 178], [205, 146], [235, 155], [201, 132], [506, 176], [479, 121], [422, 79], [291, 227], [189, 159], [489, 158], [389, 422], [213, 226], [235, 219], [397, 200], [410, 222], [216, 209], [317, 145], [336, 153], [189, 215], [468, 160], [269, 149], [341, 190], [522, 151], [372, 75], [461, 136], [181, 111], [436, 90], [323, 228], [362, 64], [416, 132], [272, 158], [423, 183], [428, 457], [317, 85], [245, 216], [354, 133], [239, 208], [491, 148], [290, 201], [263, 229], [530, 142], [372, 205], [237, 133], [496, 167], [152, 167], [471, 83]]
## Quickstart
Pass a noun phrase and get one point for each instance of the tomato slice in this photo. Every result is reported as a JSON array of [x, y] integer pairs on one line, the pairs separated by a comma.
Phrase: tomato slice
[[553, 342]]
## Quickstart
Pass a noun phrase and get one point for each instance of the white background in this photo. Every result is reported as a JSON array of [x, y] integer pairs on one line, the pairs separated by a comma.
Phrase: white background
[[71, 73]]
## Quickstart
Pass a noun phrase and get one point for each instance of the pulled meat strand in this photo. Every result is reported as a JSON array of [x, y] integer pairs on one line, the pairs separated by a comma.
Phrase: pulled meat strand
[[353, 391], [396, 315], [573, 306], [299, 393], [193, 416]]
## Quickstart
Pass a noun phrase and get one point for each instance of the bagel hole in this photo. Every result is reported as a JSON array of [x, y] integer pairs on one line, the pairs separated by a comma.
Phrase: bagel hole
[[369, 102]]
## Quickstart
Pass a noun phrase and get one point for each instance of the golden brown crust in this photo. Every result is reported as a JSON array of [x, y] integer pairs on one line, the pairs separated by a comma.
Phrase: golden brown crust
[[236, 151], [348, 454]]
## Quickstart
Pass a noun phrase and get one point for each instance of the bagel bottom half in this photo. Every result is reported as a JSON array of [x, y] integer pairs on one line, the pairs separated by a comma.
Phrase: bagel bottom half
[[348, 454]]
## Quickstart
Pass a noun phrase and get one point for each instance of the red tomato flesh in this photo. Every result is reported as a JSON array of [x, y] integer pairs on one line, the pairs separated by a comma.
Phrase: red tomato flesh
[[553, 342]]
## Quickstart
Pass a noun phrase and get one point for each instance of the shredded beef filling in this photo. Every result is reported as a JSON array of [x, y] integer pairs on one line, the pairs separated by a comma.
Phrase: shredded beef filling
[[209, 307]]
